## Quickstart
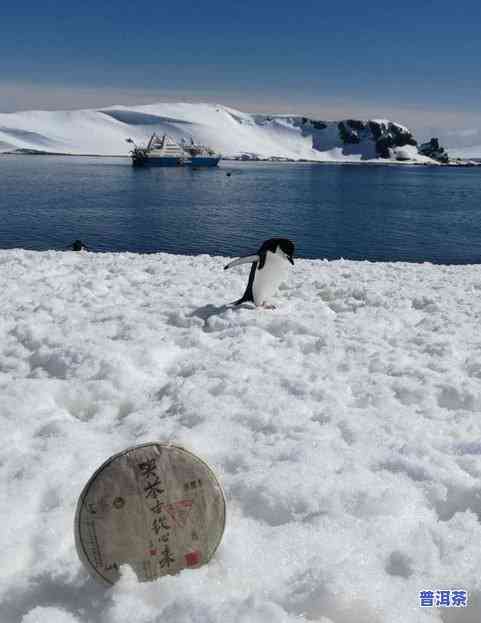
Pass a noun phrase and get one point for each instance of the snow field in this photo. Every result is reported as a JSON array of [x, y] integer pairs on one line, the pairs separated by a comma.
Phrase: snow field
[[231, 132], [344, 427]]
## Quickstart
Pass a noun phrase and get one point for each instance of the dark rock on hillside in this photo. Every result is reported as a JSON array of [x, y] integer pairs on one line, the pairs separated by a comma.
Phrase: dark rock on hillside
[[389, 135], [383, 144], [317, 125], [433, 150], [386, 135], [402, 136], [355, 124], [375, 138], [376, 129], [347, 134]]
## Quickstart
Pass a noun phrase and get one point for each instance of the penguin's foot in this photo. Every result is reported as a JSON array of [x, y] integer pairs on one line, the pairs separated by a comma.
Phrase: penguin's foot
[[268, 306]]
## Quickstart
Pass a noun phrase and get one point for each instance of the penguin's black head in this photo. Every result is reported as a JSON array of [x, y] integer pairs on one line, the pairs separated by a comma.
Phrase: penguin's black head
[[285, 245]]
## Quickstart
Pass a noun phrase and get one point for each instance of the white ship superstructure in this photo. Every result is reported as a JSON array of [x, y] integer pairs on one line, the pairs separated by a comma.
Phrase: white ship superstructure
[[166, 152]]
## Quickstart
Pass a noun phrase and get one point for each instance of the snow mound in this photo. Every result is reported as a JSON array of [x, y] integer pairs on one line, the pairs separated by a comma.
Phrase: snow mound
[[344, 427], [233, 133]]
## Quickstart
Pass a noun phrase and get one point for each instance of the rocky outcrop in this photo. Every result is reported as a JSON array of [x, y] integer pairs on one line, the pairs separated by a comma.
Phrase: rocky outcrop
[[432, 149], [388, 136], [366, 140], [356, 125], [349, 134], [312, 123]]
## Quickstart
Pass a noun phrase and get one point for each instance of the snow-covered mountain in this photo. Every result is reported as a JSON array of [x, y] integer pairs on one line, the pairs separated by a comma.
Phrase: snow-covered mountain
[[232, 132]]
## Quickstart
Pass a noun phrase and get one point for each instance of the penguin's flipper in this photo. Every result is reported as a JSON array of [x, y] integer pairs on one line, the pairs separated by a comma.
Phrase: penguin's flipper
[[247, 259]]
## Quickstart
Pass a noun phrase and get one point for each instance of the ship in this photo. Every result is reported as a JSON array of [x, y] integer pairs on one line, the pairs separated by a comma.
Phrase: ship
[[166, 152]]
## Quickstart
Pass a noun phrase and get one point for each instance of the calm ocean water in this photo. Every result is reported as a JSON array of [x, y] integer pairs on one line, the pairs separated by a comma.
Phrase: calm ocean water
[[330, 211]]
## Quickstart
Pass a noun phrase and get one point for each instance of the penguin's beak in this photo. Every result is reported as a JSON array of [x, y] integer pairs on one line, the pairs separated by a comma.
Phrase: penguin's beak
[[289, 257]]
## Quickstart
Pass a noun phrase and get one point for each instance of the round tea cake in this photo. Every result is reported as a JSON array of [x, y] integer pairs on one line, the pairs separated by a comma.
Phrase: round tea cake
[[156, 507]]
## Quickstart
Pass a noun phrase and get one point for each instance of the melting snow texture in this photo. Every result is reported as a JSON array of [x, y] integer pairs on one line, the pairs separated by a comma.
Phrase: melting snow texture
[[344, 427]]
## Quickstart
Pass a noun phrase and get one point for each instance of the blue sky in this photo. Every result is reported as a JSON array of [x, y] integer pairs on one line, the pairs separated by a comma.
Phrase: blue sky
[[418, 62]]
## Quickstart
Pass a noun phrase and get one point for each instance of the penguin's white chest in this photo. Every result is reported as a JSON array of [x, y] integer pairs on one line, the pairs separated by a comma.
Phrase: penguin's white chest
[[268, 278]]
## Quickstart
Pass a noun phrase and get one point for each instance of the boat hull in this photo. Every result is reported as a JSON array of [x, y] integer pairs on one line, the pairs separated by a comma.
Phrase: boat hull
[[170, 161], [158, 161], [203, 161]]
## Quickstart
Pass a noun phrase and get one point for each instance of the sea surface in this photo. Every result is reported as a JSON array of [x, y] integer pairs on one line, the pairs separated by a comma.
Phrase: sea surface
[[363, 212]]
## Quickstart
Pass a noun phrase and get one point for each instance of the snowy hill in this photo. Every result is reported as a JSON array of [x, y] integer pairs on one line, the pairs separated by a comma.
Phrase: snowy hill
[[233, 133], [344, 427]]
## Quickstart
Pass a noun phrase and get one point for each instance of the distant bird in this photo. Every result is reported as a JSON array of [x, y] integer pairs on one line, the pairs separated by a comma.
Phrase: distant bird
[[78, 245], [228, 174], [268, 270]]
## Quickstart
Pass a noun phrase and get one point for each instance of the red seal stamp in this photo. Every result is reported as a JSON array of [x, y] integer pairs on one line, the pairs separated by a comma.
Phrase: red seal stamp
[[192, 558]]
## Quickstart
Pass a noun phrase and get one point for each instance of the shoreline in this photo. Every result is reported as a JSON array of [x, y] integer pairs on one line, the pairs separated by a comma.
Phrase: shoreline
[[322, 260], [474, 162]]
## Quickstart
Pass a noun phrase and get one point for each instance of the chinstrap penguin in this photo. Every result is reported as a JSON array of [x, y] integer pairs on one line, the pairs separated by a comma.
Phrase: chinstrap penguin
[[268, 270]]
